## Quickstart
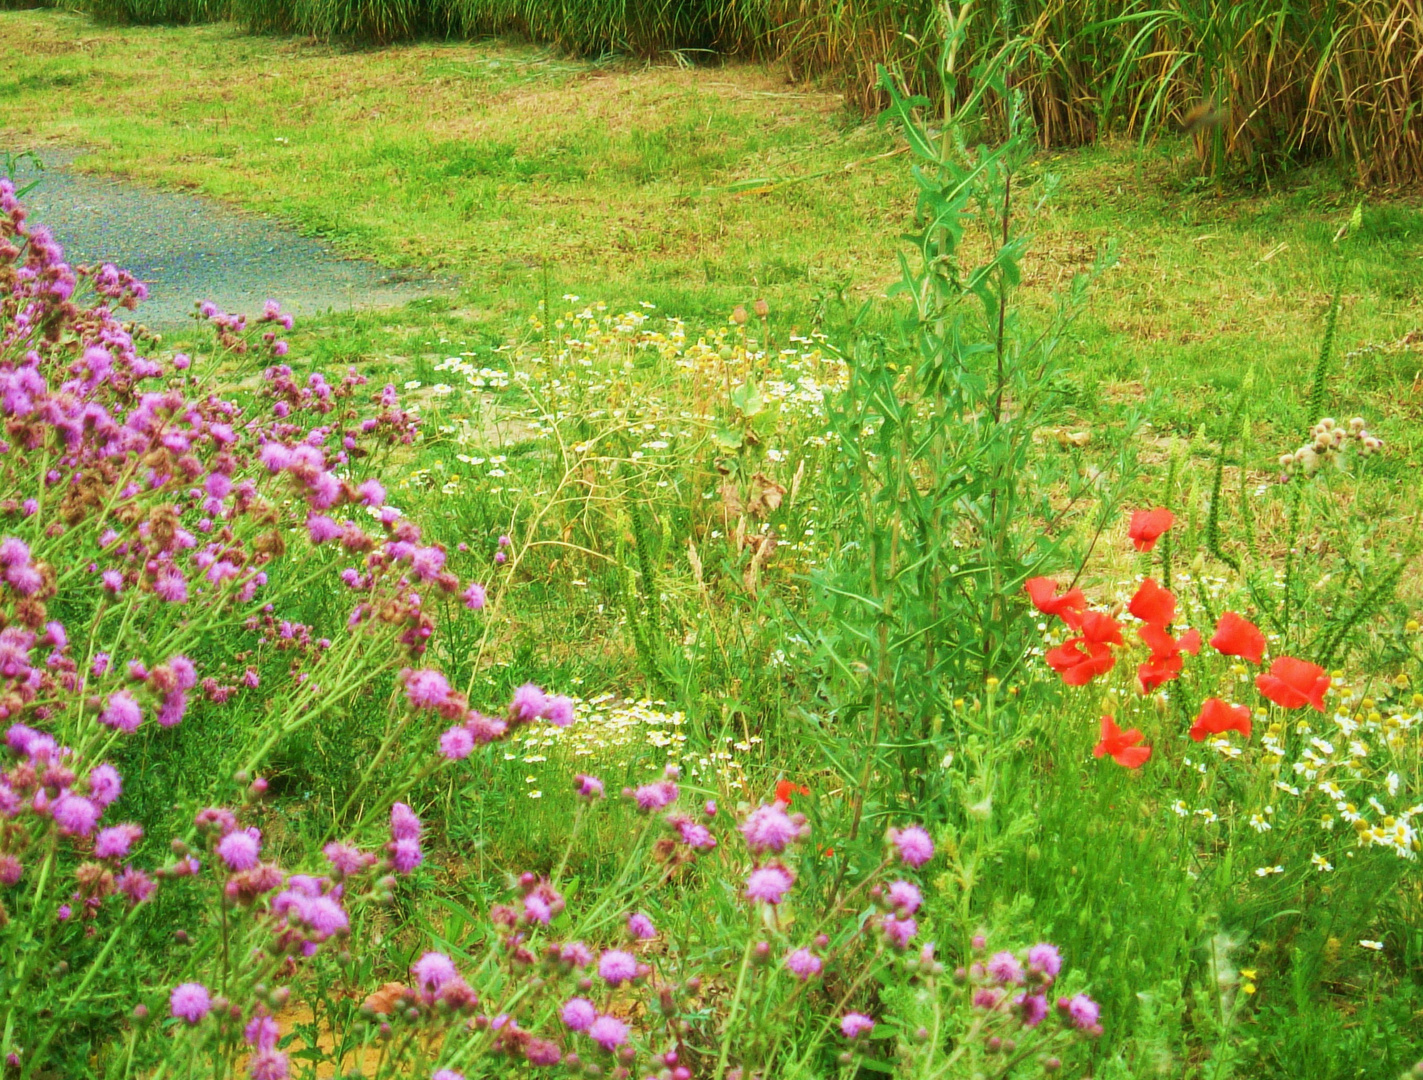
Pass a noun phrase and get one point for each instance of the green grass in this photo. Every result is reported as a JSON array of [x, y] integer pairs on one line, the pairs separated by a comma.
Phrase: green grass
[[524, 174]]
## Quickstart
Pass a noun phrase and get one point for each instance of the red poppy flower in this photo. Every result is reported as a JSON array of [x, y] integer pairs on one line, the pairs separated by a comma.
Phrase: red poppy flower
[[1078, 667], [1158, 670], [1100, 629], [1165, 662], [785, 789], [1042, 591], [1235, 636], [1152, 604], [1121, 745], [1217, 716], [1294, 683], [1148, 525]]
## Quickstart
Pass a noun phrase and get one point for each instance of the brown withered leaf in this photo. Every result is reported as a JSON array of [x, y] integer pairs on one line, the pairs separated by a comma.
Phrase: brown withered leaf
[[766, 495], [383, 1002]]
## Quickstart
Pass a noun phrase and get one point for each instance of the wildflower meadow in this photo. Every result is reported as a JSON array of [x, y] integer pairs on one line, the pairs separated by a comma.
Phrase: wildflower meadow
[[750, 695]]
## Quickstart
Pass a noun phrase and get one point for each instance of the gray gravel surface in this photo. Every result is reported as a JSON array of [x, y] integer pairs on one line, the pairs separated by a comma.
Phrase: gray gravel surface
[[188, 248]]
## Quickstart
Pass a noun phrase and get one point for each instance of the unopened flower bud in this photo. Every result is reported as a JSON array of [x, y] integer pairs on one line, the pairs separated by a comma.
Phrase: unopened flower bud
[[693, 985], [1052, 1064], [762, 952], [979, 942], [181, 937], [140, 1013], [994, 1044], [846, 1058]]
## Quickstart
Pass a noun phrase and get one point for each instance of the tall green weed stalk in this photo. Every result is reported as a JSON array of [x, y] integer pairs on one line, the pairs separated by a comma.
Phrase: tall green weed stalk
[[941, 497]]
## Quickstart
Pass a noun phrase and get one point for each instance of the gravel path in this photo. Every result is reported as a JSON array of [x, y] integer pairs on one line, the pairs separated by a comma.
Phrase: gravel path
[[189, 248]]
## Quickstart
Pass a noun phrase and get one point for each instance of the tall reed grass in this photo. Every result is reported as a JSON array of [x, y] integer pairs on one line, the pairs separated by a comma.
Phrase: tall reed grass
[[1257, 83]]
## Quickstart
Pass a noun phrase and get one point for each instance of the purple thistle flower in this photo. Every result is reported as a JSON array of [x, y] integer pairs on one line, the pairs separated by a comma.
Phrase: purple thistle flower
[[616, 966], [104, 784], [542, 1052], [899, 932], [75, 815], [915, 846], [640, 927], [474, 596], [433, 970], [588, 787], [1032, 1008], [528, 704], [1082, 1011], [347, 859], [853, 1025], [321, 528], [656, 796], [457, 743], [485, 729], [261, 1032], [240, 849], [113, 581], [135, 884], [268, 1065], [987, 998], [558, 710], [769, 828], [575, 954], [447, 1074], [905, 897], [170, 585], [578, 1014], [1044, 959], [406, 855], [371, 493], [115, 841], [427, 689], [1005, 968], [803, 964], [692, 833], [404, 825], [11, 870], [770, 884], [608, 1032], [172, 708], [121, 711], [190, 1002]]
